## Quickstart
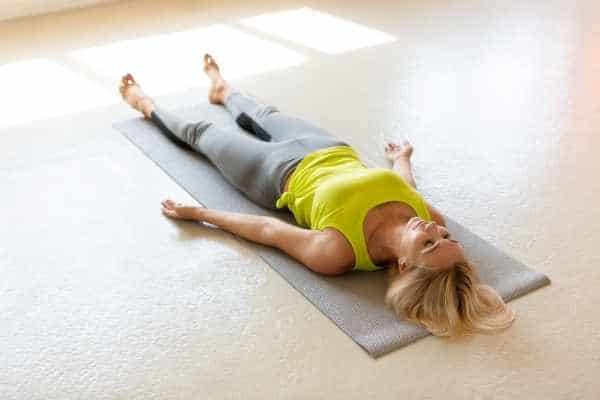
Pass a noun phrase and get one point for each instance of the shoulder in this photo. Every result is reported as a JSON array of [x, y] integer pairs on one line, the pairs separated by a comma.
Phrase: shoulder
[[436, 215], [335, 249], [314, 248]]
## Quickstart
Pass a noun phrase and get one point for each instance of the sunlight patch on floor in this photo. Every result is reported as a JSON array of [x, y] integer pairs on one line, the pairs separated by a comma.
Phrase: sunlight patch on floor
[[39, 88], [318, 30], [167, 62]]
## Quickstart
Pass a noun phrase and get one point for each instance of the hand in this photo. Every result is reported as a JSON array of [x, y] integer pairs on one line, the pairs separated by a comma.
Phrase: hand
[[180, 211], [394, 150]]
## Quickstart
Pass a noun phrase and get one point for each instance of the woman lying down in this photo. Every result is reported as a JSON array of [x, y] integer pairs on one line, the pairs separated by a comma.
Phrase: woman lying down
[[349, 216]]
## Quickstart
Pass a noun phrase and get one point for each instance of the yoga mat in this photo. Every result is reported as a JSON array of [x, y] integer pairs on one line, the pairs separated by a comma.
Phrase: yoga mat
[[354, 301]]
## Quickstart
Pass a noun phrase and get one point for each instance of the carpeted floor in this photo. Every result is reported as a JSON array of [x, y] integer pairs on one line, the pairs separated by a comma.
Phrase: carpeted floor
[[103, 297]]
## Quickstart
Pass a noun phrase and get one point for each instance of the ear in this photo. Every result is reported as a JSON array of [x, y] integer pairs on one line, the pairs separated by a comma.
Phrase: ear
[[402, 264]]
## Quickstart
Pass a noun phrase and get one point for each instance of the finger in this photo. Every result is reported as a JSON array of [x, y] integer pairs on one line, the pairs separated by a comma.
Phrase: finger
[[170, 204], [170, 213]]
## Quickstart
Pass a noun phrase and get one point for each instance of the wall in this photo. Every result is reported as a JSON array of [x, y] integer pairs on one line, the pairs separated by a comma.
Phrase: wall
[[19, 8]]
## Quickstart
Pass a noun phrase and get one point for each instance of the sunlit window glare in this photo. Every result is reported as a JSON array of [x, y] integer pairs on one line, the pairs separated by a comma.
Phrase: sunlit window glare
[[168, 62], [38, 89], [318, 30]]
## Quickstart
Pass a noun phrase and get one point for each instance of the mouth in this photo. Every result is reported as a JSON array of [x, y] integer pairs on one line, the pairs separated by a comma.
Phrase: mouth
[[414, 222]]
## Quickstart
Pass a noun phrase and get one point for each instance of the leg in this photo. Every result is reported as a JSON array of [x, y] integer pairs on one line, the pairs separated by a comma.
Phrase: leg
[[279, 125], [254, 167]]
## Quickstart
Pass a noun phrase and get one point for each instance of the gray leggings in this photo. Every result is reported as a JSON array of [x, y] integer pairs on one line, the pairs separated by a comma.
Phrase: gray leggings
[[257, 168]]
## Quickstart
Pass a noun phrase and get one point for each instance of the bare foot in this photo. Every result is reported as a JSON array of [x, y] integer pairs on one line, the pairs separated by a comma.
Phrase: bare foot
[[133, 95], [219, 89]]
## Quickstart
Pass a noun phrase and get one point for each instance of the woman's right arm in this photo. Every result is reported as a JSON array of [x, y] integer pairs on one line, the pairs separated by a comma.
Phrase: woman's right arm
[[403, 167], [400, 156]]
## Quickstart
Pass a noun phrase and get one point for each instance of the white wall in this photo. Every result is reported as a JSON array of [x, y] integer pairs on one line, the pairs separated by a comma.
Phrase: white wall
[[18, 8]]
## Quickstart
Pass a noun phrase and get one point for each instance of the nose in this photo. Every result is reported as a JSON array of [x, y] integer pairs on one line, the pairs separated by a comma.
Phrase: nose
[[429, 226]]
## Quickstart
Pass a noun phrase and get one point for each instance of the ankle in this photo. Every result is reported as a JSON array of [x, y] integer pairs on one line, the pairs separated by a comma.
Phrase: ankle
[[226, 93], [146, 106]]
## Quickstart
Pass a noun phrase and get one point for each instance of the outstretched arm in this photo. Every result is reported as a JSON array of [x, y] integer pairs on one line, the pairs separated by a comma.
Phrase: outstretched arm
[[400, 155], [403, 167], [312, 248]]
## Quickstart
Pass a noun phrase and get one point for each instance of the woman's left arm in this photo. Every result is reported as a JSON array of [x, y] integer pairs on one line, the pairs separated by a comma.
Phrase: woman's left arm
[[248, 226], [313, 248]]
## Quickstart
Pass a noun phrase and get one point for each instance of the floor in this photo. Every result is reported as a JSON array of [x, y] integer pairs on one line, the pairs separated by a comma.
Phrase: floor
[[102, 297]]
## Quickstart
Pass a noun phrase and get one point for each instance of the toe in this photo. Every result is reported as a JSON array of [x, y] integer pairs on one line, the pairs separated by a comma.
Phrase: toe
[[129, 79], [209, 62]]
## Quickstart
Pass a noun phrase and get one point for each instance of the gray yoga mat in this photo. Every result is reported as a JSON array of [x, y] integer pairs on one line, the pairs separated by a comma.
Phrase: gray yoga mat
[[354, 301]]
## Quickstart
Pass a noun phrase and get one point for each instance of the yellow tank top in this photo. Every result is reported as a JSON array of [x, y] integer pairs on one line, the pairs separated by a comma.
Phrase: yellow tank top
[[331, 187]]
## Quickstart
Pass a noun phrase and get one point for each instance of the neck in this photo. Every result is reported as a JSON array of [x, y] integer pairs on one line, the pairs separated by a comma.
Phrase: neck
[[387, 238]]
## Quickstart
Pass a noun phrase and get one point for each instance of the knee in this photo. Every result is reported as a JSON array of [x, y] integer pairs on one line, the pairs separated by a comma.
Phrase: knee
[[265, 111], [192, 132]]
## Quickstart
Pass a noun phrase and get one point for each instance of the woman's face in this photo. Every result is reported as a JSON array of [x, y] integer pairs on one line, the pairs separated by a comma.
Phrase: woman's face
[[429, 244]]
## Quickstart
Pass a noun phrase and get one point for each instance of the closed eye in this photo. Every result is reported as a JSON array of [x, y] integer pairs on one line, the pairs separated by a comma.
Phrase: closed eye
[[448, 236], [430, 246]]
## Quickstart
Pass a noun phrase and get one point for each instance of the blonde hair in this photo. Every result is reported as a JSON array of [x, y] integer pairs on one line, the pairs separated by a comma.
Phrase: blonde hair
[[448, 303]]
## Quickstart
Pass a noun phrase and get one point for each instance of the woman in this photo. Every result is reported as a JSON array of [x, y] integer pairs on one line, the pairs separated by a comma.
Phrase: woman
[[350, 216]]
